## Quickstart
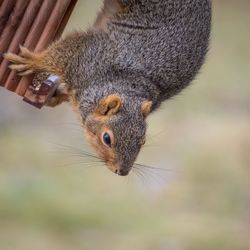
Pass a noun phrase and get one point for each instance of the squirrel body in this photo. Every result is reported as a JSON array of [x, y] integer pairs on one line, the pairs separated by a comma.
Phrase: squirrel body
[[138, 54]]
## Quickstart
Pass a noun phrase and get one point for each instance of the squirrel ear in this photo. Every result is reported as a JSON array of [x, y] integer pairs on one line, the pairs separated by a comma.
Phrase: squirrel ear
[[146, 108], [109, 105]]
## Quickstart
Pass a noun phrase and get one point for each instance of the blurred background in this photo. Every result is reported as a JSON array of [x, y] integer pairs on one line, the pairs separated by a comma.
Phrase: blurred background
[[196, 197]]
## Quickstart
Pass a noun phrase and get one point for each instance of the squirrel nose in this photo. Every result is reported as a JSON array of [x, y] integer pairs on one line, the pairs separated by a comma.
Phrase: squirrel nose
[[122, 172]]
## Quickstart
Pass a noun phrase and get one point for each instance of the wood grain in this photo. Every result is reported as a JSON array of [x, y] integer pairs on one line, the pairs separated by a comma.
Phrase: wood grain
[[47, 37], [12, 24], [5, 11], [19, 38], [32, 38], [33, 24]]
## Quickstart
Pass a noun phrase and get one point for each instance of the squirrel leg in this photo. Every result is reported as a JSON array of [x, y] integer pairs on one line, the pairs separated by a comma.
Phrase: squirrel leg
[[62, 93], [60, 96], [29, 62]]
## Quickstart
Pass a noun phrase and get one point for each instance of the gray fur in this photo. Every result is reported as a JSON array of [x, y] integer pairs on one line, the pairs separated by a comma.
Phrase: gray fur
[[151, 52]]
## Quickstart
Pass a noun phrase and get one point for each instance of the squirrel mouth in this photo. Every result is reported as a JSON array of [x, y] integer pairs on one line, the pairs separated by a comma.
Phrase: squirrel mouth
[[122, 172], [115, 168]]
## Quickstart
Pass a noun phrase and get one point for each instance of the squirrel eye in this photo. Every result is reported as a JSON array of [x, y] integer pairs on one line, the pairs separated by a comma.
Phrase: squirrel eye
[[107, 139]]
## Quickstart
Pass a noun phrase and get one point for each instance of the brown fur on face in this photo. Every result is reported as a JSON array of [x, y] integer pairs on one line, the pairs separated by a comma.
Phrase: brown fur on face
[[94, 134], [96, 125]]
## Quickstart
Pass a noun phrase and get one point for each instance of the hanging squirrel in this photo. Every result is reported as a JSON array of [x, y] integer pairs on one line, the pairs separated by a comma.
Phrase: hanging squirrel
[[138, 54]]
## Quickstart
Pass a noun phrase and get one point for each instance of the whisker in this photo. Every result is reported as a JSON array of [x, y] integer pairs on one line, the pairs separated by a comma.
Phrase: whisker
[[156, 178], [85, 157], [82, 164], [153, 168], [151, 172], [139, 175], [89, 161], [75, 150]]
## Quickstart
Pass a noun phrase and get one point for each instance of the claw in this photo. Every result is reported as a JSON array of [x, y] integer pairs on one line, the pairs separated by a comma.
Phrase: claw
[[25, 52], [62, 89], [26, 63], [61, 95], [19, 67], [25, 73], [14, 58], [20, 63]]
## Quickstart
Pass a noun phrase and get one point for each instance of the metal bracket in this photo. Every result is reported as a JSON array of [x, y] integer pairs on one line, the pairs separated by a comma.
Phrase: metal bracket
[[38, 95]]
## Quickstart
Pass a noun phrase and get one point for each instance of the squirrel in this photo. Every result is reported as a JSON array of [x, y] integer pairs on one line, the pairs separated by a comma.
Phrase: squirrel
[[137, 54]]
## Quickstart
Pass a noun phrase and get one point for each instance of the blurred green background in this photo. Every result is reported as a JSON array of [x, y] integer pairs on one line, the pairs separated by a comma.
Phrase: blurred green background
[[50, 199]]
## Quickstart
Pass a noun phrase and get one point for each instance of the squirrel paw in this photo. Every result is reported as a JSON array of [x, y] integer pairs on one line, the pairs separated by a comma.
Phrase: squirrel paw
[[26, 63], [60, 96]]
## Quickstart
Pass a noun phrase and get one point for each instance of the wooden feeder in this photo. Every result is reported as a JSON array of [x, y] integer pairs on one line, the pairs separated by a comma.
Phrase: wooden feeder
[[33, 24]]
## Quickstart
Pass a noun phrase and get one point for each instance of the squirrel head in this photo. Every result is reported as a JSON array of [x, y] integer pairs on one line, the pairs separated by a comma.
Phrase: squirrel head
[[116, 129]]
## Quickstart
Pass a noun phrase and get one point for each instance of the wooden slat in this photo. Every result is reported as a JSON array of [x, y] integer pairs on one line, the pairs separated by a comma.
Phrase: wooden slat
[[65, 19], [19, 38], [53, 24], [5, 10], [33, 37], [12, 24], [32, 95], [32, 23], [47, 37], [9, 34]]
